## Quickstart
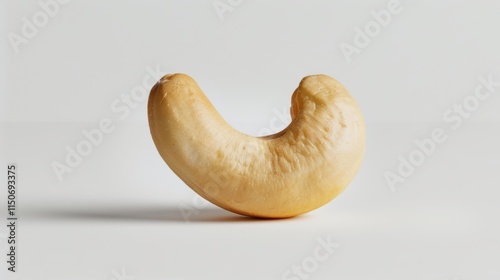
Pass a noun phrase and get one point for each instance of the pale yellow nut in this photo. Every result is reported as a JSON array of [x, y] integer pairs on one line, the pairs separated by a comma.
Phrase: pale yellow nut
[[283, 175]]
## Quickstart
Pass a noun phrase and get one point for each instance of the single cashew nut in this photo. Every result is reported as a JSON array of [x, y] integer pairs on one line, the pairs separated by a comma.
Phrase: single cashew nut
[[283, 175]]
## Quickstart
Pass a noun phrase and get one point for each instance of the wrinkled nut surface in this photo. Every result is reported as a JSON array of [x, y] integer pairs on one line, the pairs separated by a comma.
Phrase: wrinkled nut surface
[[283, 175]]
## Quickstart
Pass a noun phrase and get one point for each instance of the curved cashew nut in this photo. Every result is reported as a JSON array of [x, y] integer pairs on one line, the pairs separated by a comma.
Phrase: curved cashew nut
[[286, 174]]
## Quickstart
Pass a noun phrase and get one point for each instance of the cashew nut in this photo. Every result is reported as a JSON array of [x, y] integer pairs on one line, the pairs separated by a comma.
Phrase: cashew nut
[[283, 175]]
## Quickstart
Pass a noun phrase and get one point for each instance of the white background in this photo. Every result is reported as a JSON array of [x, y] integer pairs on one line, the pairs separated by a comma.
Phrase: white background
[[117, 214]]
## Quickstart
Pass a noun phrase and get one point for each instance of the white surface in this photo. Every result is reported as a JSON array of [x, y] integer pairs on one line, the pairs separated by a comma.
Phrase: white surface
[[118, 211]]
